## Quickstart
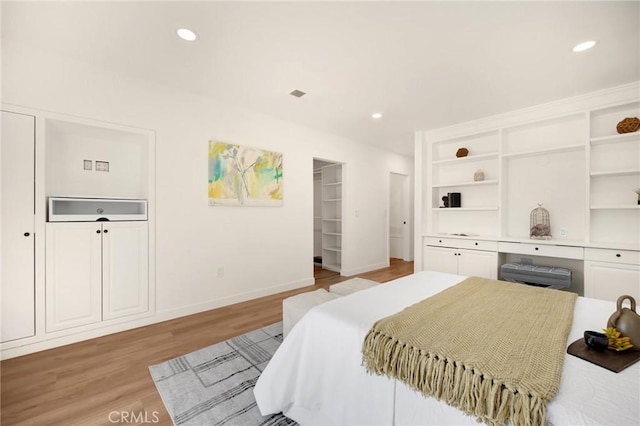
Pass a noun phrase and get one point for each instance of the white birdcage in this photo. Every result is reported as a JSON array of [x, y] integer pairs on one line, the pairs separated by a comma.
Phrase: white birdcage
[[540, 224]]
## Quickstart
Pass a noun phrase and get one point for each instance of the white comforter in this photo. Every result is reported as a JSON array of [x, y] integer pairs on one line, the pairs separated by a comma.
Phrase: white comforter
[[316, 377]]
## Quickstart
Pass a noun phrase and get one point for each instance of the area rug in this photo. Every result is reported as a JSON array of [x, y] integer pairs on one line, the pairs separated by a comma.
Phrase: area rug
[[214, 385]]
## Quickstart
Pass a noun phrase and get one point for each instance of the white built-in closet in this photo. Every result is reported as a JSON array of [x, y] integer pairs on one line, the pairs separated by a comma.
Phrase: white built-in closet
[[328, 205]]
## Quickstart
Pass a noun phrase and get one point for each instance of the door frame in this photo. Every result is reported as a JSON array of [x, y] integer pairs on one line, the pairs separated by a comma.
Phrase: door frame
[[407, 230]]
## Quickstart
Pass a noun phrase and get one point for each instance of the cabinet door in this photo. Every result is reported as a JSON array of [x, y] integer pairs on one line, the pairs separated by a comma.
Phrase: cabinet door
[[478, 263], [73, 275], [609, 281], [440, 259], [125, 251], [17, 313]]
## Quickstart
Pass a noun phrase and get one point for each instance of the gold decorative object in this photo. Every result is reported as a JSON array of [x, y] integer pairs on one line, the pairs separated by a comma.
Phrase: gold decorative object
[[540, 224], [462, 152], [617, 341], [628, 125]]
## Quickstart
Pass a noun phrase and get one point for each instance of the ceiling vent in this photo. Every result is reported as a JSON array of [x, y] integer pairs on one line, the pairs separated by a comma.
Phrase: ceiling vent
[[297, 93]]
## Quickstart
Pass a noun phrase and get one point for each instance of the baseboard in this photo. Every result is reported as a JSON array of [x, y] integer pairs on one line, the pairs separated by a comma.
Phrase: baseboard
[[15, 349], [363, 269], [231, 300]]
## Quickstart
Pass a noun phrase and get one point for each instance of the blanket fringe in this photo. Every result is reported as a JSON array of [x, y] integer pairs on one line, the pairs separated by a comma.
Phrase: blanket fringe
[[453, 383]]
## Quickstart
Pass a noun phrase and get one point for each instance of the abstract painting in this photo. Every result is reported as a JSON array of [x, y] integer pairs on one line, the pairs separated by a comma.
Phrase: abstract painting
[[244, 176]]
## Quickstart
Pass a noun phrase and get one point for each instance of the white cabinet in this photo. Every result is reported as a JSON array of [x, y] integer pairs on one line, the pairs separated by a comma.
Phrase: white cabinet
[[611, 273], [458, 260], [18, 239], [332, 217], [95, 272], [125, 269], [73, 275]]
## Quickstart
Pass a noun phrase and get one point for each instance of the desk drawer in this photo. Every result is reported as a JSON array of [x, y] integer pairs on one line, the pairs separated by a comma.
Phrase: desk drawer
[[614, 256], [547, 250], [461, 243]]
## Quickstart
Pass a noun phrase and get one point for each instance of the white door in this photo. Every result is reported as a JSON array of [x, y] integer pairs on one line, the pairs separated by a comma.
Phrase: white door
[[399, 217], [609, 281], [474, 263], [440, 260], [73, 275], [18, 241], [125, 286]]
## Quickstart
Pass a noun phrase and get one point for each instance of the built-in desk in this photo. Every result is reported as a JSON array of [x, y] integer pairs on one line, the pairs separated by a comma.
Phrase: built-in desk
[[601, 272]]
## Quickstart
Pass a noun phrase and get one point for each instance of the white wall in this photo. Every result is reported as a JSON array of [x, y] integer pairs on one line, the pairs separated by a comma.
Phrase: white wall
[[262, 249]]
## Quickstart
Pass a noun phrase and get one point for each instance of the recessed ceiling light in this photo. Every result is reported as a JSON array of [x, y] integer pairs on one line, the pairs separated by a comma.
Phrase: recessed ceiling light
[[186, 34], [586, 45], [376, 115]]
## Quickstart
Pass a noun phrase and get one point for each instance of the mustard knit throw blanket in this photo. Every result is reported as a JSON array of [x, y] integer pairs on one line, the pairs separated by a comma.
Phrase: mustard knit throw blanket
[[489, 348]]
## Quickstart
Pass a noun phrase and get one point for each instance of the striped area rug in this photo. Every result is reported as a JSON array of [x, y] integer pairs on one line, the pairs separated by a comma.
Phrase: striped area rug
[[214, 385]]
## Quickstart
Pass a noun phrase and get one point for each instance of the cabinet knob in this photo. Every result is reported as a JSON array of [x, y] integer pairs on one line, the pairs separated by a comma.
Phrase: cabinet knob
[[536, 248], [26, 234], [105, 231], [618, 255], [439, 241], [98, 231], [476, 243]]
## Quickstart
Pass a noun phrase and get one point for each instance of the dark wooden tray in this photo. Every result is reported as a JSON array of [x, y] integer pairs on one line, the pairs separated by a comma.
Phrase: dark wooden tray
[[609, 359]]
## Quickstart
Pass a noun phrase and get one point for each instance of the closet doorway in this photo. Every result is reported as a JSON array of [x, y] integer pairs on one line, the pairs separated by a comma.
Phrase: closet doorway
[[327, 214]]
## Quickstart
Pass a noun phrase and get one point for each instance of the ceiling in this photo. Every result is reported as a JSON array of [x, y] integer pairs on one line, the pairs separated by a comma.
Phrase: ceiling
[[423, 65]]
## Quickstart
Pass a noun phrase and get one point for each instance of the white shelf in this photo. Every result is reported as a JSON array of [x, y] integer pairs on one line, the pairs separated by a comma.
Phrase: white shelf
[[331, 267], [624, 137], [336, 249], [332, 217], [469, 158], [569, 148], [465, 209], [629, 172], [475, 183], [616, 207]]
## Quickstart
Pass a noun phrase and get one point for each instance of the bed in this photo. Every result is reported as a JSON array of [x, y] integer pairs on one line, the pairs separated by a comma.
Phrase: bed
[[317, 378]]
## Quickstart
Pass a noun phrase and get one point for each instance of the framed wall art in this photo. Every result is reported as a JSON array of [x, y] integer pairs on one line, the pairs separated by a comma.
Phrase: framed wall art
[[244, 176]]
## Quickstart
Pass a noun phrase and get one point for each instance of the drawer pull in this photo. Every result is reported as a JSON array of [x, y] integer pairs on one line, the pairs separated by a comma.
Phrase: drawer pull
[[536, 248], [476, 243], [618, 255], [439, 241]]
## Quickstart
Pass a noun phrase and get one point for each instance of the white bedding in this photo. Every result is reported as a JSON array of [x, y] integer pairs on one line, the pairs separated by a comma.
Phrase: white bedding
[[316, 377]]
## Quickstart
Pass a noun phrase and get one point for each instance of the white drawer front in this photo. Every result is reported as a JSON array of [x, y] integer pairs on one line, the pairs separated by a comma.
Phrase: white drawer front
[[461, 243], [441, 242], [478, 245], [614, 256], [542, 250]]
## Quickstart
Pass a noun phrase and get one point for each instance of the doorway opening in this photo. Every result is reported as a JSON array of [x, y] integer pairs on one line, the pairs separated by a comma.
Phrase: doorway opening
[[327, 214]]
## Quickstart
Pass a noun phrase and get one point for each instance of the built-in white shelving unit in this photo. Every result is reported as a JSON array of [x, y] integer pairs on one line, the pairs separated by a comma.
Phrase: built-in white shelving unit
[[332, 217], [566, 155]]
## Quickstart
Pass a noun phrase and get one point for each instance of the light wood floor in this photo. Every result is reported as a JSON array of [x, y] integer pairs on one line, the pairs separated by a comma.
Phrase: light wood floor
[[81, 384]]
